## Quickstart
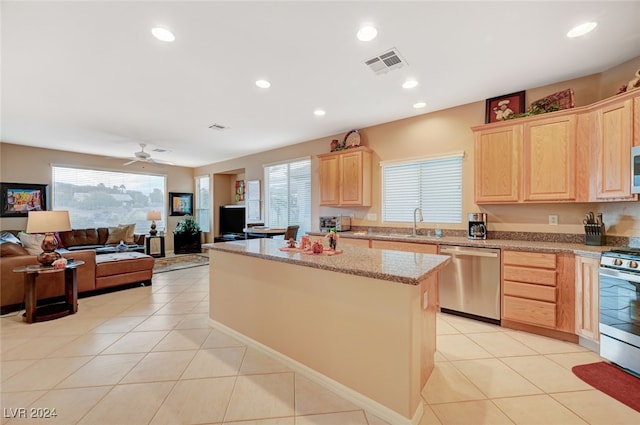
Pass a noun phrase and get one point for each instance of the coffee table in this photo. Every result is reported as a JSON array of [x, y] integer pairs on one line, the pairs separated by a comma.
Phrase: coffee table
[[69, 305], [112, 249]]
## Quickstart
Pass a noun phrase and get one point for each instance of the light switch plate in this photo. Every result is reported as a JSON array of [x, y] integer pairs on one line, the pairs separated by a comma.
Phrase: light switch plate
[[553, 220]]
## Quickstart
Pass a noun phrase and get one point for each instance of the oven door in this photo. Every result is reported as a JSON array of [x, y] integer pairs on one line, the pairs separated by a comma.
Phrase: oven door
[[620, 318]]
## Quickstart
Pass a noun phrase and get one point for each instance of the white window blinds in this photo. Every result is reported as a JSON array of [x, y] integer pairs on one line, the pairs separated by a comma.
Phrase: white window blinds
[[203, 200], [288, 194], [434, 185]]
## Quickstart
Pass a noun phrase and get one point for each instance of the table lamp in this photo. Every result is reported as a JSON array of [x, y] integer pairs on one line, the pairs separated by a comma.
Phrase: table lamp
[[48, 222], [153, 216]]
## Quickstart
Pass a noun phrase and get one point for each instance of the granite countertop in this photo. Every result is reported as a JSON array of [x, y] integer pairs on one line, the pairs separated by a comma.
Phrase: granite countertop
[[516, 245], [395, 266]]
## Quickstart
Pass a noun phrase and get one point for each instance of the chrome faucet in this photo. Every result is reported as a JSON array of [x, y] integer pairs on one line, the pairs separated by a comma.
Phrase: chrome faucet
[[417, 212]]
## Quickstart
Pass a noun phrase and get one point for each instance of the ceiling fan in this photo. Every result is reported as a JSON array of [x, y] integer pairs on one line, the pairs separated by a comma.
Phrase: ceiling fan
[[143, 156]]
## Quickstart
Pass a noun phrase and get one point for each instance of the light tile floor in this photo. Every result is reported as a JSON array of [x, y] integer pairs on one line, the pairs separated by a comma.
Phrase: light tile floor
[[148, 356]]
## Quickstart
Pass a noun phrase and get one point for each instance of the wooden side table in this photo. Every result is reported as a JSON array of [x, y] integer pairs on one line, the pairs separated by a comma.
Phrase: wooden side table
[[148, 244], [34, 313]]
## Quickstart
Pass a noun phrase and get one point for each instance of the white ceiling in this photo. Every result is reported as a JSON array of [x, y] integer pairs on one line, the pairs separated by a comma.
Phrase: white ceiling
[[89, 77]]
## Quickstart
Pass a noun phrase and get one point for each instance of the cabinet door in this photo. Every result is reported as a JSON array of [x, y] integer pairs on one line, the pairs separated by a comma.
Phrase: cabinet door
[[497, 164], [355, 170], [549, 152], [587, 298], [613, 141], [329, 180]]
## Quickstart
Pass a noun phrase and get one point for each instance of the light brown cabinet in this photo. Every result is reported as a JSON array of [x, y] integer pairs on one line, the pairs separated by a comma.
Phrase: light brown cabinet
[[531, 160], [587, 298], [576, 155], [345, 177], [497, 164], [538, 291], [549, 159], [612, 140]]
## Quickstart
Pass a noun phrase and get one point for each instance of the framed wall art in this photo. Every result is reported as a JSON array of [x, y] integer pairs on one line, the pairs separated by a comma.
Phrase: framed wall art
[[180, 203], [17, 199], [501, 107]]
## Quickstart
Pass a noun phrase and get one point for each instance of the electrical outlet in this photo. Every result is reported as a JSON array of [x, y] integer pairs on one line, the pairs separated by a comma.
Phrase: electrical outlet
[[553, 220], [372, 216]]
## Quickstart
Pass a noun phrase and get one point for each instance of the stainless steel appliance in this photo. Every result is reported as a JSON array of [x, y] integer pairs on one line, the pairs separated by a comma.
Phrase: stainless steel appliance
[[477, 225], [470, 283], [620, 307], [340, 223], [635, 169]]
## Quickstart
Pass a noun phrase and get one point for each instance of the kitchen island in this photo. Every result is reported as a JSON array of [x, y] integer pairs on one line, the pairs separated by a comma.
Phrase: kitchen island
[[361, 322]]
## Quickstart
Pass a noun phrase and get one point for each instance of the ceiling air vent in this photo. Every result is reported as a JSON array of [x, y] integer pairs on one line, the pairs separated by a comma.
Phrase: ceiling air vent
[[218, 127], [386, 62], [160, 150]]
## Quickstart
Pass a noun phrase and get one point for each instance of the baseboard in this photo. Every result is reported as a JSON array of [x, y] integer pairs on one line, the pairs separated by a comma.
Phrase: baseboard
[[589, 344], [336, 387]]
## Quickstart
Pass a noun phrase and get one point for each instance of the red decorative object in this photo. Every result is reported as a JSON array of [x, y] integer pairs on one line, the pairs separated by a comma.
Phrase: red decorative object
[[317, 248], [562, 99], [501, 107], [611, 380]]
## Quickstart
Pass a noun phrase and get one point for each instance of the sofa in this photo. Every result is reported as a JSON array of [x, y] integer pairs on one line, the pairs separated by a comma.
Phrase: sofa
[[98, 273]]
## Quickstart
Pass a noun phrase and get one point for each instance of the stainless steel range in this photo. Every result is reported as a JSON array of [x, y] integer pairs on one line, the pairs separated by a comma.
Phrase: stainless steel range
[[620, 307]]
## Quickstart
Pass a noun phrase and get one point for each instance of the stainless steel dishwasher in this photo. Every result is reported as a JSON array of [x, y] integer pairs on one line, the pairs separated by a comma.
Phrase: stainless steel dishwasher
[[470, 283]]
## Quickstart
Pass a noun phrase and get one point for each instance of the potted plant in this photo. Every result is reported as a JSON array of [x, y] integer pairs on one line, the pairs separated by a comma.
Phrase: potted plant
[[186, 236]]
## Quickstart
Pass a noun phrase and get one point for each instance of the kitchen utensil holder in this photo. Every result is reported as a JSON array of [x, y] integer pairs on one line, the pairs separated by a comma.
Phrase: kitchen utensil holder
[[594, 234]]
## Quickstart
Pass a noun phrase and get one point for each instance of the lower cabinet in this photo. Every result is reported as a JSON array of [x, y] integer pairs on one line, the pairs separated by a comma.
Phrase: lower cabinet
[[538, 290], [587, 298]]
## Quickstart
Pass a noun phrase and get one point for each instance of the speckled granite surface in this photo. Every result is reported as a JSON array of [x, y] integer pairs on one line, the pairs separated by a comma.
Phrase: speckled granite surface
[[576, 248], [395, 266]]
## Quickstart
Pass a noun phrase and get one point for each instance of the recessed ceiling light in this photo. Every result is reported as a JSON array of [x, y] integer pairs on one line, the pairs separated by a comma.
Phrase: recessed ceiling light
[[367, 33], [582, 29], [263, 84], [419, 105], [409, 84], [163, 34], [319, 112]]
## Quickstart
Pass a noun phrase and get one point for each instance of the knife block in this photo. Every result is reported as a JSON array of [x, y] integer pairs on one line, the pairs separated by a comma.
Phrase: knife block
[[594, 234]]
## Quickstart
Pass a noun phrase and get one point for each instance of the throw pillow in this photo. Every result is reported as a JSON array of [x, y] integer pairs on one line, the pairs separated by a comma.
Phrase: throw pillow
[[32, 242], [117, 234], [11, 246], [130, 231]]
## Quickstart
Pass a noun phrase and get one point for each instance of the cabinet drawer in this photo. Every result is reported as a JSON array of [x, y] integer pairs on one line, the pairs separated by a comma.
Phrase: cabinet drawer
[[533, 292], [530, 259], [530, 311], [529, 275]]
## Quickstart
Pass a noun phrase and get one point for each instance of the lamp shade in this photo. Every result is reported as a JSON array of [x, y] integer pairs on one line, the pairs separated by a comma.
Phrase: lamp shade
[[153, 215], [48, 221]]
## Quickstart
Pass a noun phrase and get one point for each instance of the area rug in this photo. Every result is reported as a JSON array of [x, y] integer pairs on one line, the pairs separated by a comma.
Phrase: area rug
[[611, 380], [167, 264]]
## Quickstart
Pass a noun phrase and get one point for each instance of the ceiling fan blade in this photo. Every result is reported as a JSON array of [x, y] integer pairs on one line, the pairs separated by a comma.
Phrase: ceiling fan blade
[[130, 162]]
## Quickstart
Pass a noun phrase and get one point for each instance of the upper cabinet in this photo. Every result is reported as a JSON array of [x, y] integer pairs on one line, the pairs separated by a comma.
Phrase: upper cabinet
[[575, 155], [497, 161], [549, 156], [613, 138], [345, 177]]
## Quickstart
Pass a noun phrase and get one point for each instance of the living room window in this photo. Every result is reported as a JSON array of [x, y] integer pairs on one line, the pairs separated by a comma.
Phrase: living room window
[[288, 194], [432, 184], [98, 198], [203, 202]]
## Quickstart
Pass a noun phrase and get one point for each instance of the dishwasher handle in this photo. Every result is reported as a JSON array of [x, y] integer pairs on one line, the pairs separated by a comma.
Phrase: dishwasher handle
[[470, 253]]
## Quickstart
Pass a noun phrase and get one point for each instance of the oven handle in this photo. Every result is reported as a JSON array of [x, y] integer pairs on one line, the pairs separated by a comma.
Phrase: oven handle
[[619, 275]]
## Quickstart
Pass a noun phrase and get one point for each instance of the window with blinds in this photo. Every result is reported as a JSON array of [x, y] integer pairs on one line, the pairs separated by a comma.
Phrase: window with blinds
[[288, 194], [203, 201], [98, 198], [434, 185]]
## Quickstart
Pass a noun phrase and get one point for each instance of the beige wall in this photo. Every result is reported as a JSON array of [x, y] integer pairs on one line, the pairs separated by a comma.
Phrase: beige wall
[[449, 131], [23, 164], [419, 136]]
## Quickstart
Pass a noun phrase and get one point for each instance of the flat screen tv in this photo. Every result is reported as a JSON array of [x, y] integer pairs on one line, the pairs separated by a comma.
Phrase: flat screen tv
[[232, 219]]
